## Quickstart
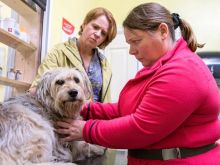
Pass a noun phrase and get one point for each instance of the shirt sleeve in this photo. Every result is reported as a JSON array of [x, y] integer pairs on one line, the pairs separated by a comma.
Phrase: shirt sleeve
[[96, 110]]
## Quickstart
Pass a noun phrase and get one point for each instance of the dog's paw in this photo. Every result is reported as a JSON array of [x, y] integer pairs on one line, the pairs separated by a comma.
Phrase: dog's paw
[[83, 150], [96, 150]]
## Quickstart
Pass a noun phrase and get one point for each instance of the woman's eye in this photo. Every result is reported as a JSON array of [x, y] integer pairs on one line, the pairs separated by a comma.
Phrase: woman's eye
[[60, 82], [136, 41], [95, 27], [103, 33]]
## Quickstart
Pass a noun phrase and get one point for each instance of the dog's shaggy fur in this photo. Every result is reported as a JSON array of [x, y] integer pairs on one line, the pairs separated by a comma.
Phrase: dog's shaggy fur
[[26, 122]]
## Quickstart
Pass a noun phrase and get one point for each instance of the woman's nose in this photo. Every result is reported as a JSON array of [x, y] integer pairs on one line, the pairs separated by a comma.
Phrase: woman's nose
[[132, 51], [98, 33]]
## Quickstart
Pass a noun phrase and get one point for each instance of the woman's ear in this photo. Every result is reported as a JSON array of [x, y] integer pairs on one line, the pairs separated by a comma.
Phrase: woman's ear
[[164, 30], [83, 26]]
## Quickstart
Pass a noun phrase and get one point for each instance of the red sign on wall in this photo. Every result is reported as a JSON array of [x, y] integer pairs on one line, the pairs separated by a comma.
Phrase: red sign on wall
[[67, 27]]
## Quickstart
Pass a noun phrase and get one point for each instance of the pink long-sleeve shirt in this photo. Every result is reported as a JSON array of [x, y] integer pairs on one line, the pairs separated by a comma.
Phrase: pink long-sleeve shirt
[[174, 103]]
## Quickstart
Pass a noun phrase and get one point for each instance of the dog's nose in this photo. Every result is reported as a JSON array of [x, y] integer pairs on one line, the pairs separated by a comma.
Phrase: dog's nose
[[73, 93]]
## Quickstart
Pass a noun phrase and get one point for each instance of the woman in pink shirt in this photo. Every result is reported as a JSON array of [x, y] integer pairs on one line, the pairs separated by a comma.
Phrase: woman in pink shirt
[[168, 113]]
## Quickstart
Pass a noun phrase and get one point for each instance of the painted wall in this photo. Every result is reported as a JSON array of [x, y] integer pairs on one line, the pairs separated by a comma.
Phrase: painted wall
[[204, 16], [73, 10]]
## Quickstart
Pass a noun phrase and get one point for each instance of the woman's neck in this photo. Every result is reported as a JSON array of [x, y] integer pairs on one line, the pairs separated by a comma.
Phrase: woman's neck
[[85, 52]]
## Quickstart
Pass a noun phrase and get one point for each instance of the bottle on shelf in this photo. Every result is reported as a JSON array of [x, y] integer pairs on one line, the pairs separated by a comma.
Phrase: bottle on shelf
[[17, 30], [1, 69], [23, 34], [18, 75], [11, 74]]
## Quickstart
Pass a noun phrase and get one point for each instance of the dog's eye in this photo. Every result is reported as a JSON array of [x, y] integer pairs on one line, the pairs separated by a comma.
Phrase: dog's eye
[[76, 79], [60, 82]]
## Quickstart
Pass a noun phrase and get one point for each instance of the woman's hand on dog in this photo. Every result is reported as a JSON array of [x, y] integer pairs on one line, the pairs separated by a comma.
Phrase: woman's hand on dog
[[71, 129]]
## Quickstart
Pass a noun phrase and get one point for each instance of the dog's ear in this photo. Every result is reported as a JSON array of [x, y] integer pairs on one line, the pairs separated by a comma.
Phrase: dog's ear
[[44, 85], [88, 87]]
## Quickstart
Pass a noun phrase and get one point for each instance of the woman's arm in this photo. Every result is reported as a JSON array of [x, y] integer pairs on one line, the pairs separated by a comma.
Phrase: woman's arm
[[167, 109], [96, 110]]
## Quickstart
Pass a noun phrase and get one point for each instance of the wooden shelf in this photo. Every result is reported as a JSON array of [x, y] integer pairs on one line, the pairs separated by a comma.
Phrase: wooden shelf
[[14, 83], [15, 42], [26, 57], [21, 7]]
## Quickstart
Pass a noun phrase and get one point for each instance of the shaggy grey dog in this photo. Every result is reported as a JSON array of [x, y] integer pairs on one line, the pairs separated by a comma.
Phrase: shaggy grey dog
[[26, 122]]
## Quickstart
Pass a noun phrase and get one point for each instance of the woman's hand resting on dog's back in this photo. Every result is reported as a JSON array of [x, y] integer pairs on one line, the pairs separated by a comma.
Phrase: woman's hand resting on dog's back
[[70, 129]]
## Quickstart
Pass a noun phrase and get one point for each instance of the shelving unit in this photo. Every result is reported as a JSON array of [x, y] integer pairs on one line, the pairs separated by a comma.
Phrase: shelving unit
[[16, 43], [27, 56], [24, 10], [16, 84]]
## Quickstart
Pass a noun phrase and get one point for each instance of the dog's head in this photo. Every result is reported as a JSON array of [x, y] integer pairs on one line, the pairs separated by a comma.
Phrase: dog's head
[[64, 90]]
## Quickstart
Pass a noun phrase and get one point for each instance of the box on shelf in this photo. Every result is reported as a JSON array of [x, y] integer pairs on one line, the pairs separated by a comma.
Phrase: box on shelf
[[9, 24]]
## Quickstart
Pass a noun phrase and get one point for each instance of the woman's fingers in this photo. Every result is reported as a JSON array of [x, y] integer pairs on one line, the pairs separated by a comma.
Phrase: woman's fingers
[[68, 139], [71, 129], [70, 135], [63, 124], [63, 131]]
